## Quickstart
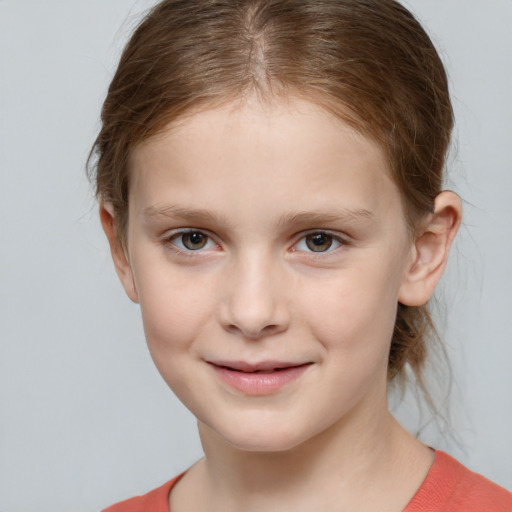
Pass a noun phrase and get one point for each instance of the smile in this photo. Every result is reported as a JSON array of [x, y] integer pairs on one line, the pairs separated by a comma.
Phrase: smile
[[259, 379]]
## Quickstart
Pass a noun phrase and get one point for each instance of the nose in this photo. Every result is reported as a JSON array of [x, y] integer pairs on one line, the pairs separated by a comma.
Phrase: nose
[[254, 304]]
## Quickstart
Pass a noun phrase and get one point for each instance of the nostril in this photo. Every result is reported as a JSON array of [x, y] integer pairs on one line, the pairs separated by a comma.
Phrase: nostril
[[248, 315], [255, 334]]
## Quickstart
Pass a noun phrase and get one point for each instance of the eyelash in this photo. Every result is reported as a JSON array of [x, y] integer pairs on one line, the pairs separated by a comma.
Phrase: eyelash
[[170, 241], [335, 239]]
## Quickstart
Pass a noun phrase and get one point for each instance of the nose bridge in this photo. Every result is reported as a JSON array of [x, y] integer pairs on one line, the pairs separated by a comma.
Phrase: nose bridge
[[255, 304]]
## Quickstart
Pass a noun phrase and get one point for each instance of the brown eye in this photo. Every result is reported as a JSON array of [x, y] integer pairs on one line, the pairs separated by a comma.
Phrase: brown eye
[[319, 242], [194, 240]]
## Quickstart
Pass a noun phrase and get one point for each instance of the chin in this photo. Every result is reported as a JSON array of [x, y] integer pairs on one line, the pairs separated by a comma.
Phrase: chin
[[268, 444], [262, 436]]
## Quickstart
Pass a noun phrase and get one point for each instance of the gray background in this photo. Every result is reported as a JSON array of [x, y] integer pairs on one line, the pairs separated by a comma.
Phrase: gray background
[[85, 419]]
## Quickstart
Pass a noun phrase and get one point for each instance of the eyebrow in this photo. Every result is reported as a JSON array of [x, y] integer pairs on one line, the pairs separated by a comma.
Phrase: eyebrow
[[185, 214], [325, 218], [304, 218]]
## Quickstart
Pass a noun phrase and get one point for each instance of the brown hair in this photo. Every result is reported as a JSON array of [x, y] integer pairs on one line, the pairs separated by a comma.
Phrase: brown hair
[[367, 61]]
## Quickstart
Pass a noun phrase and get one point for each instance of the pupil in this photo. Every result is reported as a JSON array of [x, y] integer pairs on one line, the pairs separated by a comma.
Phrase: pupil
[[319, 242], [194, 241], [196, 238]]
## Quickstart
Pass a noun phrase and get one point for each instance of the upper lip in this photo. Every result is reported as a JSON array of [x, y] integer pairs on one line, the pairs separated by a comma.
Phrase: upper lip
[[244, 366]]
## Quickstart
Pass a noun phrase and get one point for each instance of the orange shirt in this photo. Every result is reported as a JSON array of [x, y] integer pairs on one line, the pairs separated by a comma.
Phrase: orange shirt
[[449, 487]]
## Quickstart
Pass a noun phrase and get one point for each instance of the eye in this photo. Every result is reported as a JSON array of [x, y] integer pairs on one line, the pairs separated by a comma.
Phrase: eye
[[192, 241], [318, 242]]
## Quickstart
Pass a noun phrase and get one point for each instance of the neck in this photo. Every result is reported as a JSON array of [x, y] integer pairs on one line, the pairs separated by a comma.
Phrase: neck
[[346, 467]]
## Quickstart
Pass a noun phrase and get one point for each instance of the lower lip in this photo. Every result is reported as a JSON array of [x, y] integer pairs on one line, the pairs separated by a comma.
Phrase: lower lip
[[259, 384]]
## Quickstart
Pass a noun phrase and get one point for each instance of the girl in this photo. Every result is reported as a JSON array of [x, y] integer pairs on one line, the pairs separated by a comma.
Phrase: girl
[[270, 182]]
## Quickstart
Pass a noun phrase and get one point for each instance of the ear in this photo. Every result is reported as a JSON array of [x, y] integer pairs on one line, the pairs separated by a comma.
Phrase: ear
[[119, 253], [430, 251]]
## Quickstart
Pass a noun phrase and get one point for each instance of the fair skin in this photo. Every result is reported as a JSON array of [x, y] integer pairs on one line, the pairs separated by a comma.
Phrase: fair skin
[[271, 237]]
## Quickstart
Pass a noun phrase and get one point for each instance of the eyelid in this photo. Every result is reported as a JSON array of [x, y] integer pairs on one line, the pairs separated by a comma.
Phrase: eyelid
[[343, 241], [169, 237]]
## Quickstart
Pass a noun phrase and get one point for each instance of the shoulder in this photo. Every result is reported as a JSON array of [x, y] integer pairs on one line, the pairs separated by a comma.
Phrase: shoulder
[[156, 500], [451, 486]]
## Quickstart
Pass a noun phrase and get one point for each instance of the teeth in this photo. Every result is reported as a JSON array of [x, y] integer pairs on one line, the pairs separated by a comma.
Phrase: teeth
[[255, 371]]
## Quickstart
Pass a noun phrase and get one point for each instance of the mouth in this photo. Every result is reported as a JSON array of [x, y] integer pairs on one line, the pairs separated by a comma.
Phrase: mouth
[[258, 379]]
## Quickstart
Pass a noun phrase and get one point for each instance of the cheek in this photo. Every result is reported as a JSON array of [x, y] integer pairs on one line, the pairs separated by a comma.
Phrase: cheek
[[353, 319], [175, 308], [354, 312]]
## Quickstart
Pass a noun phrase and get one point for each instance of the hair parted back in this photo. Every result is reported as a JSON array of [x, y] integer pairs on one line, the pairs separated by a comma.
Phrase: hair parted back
[[368, 62]]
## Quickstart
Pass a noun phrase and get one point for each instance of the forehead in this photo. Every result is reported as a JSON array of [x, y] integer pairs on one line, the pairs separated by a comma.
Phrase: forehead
[[292, 153]]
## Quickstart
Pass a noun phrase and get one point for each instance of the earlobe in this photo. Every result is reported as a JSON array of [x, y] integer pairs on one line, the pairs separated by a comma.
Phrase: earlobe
[[119, 253], [431, 250]]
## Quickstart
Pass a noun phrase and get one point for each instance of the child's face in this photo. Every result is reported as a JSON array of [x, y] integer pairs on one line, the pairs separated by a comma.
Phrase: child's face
[[265, 237]]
